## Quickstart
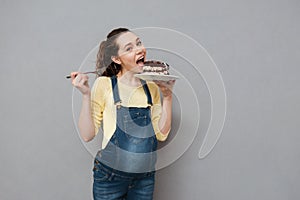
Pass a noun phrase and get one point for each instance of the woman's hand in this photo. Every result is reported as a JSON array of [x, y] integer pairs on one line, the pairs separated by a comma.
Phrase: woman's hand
[[80, 81], [166, 87], [85, 123], [164, 122]]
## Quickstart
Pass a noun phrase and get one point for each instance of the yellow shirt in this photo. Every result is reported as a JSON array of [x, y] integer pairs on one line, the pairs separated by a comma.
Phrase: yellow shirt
[[104, 109]]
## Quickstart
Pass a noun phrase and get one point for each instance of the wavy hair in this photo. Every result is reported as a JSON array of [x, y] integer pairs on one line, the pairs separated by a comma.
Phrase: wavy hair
[[108, 48]]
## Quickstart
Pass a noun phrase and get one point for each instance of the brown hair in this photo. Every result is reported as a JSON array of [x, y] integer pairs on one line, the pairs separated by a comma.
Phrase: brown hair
[[104, 64]]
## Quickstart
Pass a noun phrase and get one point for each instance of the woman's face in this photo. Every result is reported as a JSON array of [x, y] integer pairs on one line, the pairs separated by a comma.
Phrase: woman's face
[[131, 54]]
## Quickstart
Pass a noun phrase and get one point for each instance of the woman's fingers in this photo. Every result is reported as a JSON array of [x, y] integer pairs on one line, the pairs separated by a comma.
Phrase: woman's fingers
[[80, 81], [168, 84], [73, 75], [76, 77], [166, 87]]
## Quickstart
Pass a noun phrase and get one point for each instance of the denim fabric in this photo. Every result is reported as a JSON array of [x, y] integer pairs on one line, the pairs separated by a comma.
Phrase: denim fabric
[[110, 184], [132, 148], [125, 168]]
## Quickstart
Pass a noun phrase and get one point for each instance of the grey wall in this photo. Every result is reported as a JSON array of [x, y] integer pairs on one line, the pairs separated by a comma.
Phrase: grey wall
[[255, 45]]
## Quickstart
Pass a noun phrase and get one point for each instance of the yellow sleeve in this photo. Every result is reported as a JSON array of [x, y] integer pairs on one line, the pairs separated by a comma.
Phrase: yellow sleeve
[[98, 93], [156, 110]]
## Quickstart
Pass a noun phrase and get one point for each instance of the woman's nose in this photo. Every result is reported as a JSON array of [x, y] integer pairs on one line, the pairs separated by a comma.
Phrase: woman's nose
[[140, 49]]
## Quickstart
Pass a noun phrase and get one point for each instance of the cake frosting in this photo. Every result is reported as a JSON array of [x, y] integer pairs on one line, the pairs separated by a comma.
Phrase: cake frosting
[[156, 68]]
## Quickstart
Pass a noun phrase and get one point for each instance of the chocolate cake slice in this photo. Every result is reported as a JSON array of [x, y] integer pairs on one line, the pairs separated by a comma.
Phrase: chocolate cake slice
[[153, 67]]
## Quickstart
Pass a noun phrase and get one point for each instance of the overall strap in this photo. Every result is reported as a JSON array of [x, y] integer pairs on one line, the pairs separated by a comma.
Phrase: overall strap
[[116, 95], [115, 90], [146, 89]]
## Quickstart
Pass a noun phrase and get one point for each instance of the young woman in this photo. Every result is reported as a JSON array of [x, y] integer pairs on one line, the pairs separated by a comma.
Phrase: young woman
[[132, 116]]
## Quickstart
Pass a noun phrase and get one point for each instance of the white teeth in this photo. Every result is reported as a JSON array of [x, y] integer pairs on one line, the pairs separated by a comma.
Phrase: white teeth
[[140, 59]]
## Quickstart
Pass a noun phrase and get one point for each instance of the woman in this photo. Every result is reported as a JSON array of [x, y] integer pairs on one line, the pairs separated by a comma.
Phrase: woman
[[132, 115]]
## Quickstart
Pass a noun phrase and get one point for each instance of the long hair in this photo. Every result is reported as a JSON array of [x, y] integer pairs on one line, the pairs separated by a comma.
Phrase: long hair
[[108, 48]]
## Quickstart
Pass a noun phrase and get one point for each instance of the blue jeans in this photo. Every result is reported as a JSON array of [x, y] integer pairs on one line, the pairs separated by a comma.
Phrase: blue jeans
[[110, 184]]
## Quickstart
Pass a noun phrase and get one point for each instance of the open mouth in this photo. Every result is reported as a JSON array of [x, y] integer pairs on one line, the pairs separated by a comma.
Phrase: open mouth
[[141, 60]]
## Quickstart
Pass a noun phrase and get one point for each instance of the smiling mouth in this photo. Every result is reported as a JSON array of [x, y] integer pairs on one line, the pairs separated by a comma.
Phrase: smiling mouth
[[141, 60]]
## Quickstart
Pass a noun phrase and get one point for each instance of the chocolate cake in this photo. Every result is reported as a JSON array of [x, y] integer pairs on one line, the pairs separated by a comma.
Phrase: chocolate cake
[[155, 67]]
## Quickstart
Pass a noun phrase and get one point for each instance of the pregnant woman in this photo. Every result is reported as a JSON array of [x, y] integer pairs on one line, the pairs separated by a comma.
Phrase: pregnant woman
[[132, 115]]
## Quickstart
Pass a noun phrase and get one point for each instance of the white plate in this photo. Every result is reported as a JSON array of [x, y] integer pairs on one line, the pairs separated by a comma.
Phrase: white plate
[[154, 77]]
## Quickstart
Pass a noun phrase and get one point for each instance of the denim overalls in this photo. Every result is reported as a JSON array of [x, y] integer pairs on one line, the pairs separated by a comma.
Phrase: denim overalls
[[130, 155], [133, 144]]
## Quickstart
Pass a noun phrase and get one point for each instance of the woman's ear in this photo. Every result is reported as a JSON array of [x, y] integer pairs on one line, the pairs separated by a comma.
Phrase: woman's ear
[[116, 59]]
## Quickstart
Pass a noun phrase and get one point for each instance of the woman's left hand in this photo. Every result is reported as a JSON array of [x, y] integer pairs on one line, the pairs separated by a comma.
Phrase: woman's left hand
[[166, 87]]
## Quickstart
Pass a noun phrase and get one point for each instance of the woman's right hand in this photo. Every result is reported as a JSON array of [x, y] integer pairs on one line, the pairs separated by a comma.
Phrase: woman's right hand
[[80, 81]]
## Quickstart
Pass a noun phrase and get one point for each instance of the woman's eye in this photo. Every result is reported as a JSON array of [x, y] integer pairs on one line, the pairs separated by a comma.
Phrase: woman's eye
[[129, 49], [139, 43]]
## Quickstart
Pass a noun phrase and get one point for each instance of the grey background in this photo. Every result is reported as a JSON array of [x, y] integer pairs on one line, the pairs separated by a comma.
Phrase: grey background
[[255, 45]]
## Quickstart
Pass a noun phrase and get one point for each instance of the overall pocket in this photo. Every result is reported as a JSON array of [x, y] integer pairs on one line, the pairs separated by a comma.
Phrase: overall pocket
[[99, 173]]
